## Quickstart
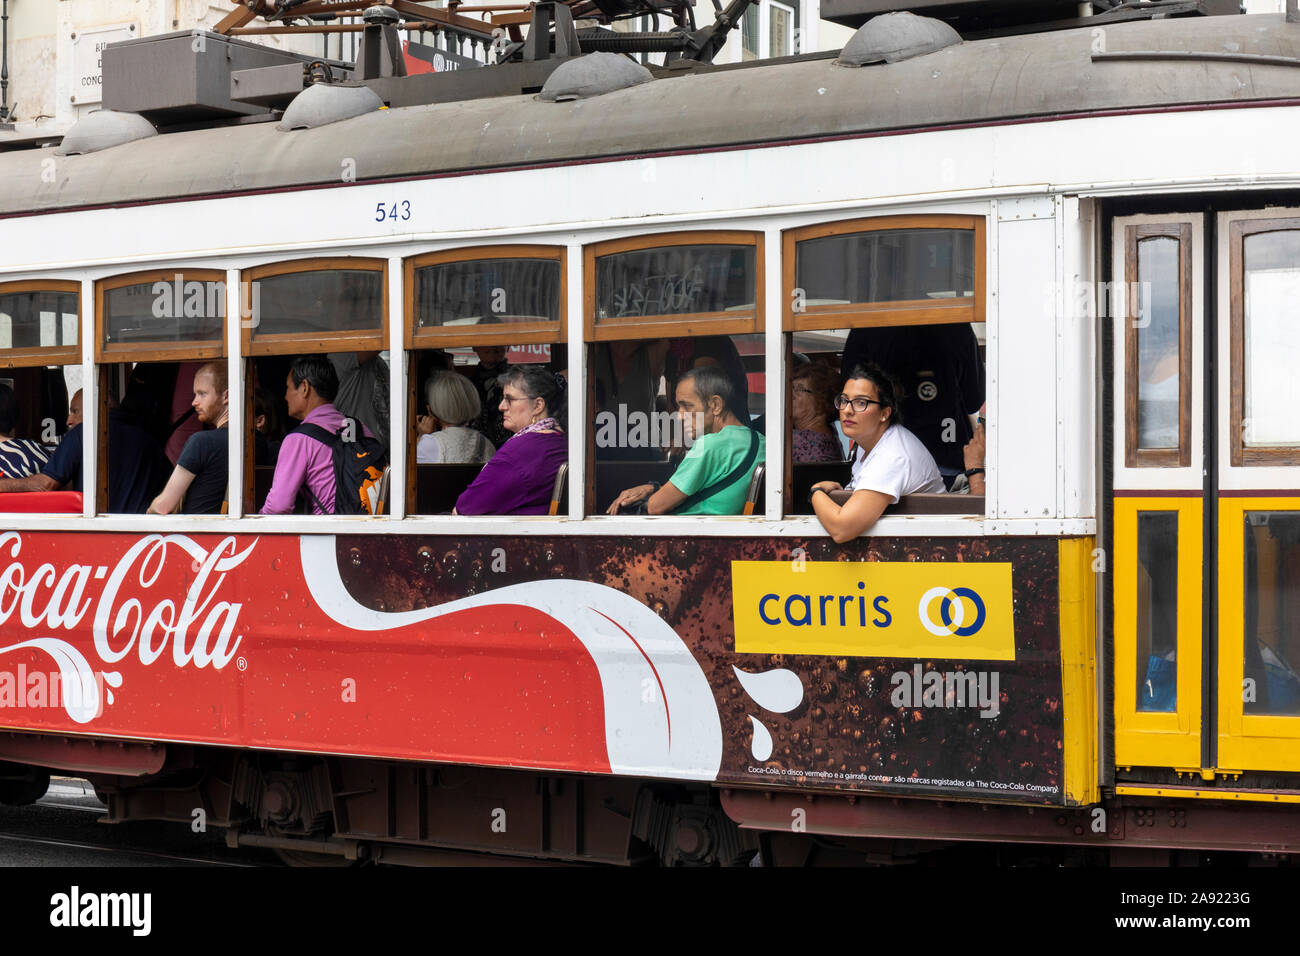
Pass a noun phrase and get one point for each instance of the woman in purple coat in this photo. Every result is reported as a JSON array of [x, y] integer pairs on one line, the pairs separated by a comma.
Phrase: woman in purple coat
[[521, 476]]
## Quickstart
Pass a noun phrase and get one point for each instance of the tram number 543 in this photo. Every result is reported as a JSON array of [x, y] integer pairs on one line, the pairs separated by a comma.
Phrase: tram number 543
[[398, 210]]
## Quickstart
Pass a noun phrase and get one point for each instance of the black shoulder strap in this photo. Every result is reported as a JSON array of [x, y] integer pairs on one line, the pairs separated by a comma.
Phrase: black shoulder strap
[[329, 440], [322, 435], [744, 468]]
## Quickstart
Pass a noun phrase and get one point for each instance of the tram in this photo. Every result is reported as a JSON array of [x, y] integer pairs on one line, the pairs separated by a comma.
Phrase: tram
[[1093, 655]]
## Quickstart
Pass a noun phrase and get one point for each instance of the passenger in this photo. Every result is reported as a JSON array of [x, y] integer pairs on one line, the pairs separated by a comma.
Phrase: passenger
[[971, 481], [485, 377], [714, 476], [626, 377], [363, 390], [19, 457], [890, 460], [74, 410], [445, 435], [812, 409], [520, 477], [201, 474], [267, 432], [305, 466], [184, 424], [137, 466], [942, 378]]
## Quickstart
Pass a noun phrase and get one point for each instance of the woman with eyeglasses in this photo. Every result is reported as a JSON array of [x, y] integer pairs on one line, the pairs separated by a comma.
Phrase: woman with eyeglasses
[[812, 408], [889, 461], [520, 478]]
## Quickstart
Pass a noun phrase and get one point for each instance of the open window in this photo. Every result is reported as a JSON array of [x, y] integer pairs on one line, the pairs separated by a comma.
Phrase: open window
[[657, 307], [153, 331], [40, 356], [903, 292], [332, 308], [472, 313]]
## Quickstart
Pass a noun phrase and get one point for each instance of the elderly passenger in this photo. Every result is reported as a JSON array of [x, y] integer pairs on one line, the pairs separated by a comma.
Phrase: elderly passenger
[[890, 460], [812, 408], [520, 477], [445, 435]]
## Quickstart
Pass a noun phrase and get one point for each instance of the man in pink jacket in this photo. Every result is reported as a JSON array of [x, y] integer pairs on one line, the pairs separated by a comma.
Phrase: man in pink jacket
[[309, 390]]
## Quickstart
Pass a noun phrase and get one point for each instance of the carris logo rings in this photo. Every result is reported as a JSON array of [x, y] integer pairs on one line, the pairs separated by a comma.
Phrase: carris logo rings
[[952, 612]]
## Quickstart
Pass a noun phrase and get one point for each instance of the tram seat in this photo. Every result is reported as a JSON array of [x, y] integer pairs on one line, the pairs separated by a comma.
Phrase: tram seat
[[380, 504], [561, 489], [926, 504], [42, 502], [805, 475], [615, 477], [438, 486], [755, 493]]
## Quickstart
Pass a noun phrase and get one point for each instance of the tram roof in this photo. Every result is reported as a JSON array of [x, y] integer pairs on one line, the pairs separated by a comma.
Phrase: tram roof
[[978, 81]]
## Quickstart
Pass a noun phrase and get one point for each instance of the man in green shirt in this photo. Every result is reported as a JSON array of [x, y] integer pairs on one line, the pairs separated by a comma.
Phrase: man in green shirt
[[714, 476]]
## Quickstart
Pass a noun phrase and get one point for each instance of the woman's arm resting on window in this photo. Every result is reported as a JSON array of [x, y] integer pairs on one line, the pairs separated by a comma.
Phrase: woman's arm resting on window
[[857, 514]]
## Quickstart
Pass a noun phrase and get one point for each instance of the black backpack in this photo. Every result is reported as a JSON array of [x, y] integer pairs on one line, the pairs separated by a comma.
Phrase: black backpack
[[358, 469]]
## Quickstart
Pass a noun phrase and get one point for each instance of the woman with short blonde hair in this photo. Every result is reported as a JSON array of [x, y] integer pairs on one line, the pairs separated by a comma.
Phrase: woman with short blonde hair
[[444, 433]]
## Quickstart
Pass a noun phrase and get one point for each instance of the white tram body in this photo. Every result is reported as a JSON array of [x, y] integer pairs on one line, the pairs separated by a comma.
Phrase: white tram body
[[1055, 144]]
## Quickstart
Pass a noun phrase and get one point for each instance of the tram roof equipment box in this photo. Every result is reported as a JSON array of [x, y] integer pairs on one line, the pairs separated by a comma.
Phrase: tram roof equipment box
[[184, 77]]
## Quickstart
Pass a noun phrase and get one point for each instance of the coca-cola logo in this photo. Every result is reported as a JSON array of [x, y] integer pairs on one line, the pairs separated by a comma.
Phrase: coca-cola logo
[[129, 615]]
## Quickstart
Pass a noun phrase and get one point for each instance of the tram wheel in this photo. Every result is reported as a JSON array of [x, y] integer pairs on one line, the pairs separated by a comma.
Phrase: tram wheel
[[21, 785]]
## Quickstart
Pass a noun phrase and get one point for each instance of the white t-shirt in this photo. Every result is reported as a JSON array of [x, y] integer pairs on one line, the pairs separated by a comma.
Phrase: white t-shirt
[[898, 465]]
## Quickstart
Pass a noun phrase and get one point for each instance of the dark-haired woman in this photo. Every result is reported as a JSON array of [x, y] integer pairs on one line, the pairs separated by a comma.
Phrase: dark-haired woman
[[890, 461], [521, 476]]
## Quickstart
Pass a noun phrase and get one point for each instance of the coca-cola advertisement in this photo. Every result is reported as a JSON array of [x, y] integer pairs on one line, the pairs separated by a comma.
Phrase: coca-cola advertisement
[[641, 656]]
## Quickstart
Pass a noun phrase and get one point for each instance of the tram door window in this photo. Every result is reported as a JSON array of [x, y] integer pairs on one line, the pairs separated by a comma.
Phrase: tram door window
[[472, 315], [657, 308], [333, 312], [905, 293], [40, 357], [154, 330]]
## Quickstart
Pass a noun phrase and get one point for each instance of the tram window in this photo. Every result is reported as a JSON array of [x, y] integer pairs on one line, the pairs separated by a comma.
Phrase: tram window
[[891, 270], [1265, 285], [705, 283], [1272, 610], [475, 314], [158, 309], [315, 332], [939, 370], [37, 320], [1158, 345], [1157, 611], [648, 413], [312, 305], [39, 344]]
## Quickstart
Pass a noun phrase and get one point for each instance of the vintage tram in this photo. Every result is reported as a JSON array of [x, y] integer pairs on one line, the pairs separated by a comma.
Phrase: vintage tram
[[1093, 655]]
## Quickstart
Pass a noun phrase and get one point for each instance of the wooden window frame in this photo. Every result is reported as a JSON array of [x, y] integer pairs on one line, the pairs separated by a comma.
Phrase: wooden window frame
[[161, 351], [1135, 456], [690, 324], [1239, 453], [879, 314], [296, 343], [38, 356], [515, 333]]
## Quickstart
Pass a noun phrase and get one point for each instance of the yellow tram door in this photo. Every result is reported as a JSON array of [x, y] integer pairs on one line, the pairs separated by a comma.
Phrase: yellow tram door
[[1158, 455], [1206, 506], [1258, 492]]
